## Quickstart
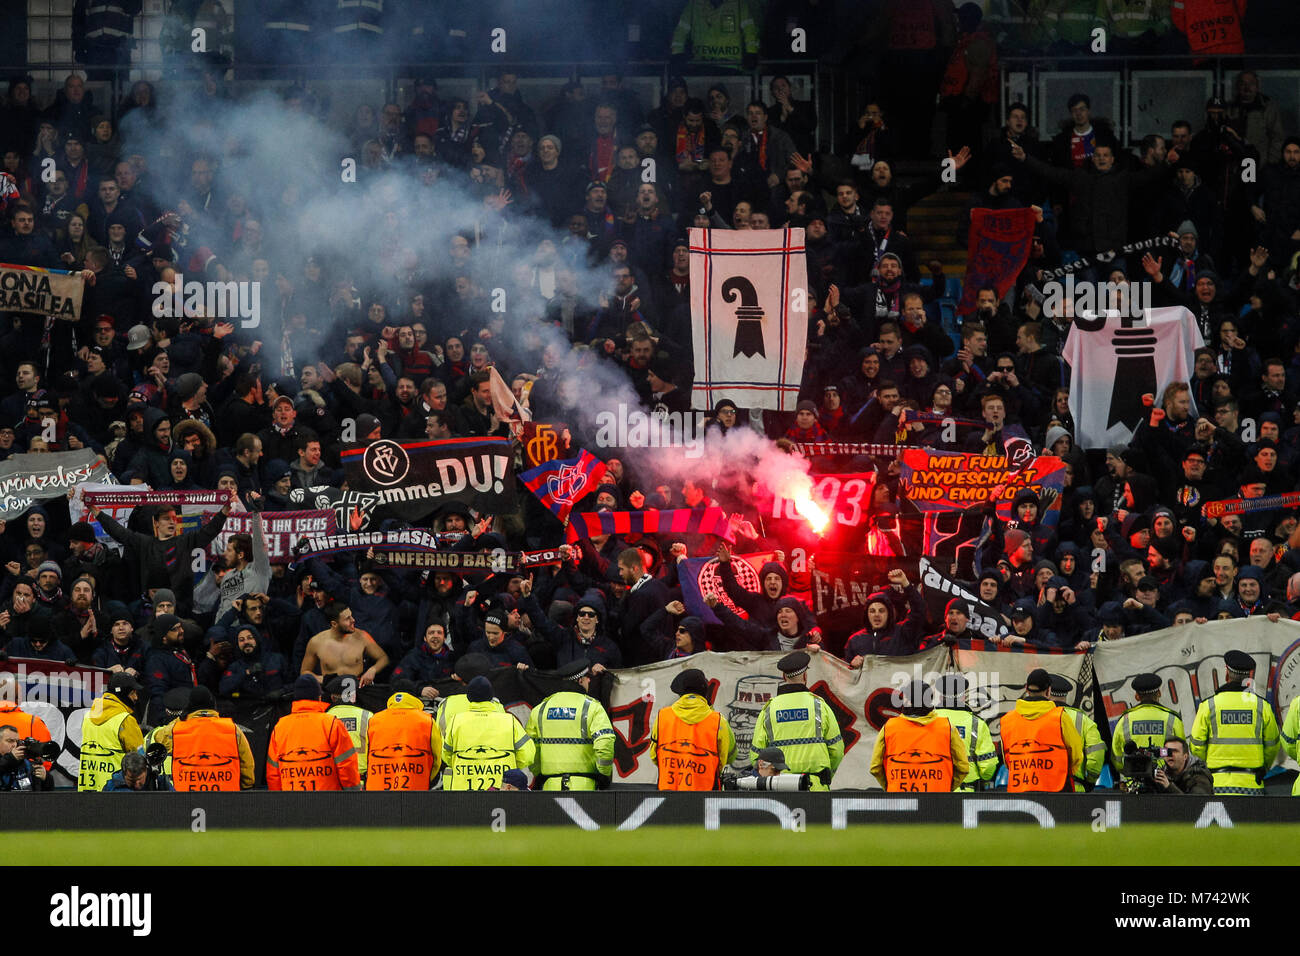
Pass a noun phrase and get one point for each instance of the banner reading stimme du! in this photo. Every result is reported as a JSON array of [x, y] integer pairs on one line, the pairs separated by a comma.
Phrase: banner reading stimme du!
[[41, 291], [26, 479], [415, 478]]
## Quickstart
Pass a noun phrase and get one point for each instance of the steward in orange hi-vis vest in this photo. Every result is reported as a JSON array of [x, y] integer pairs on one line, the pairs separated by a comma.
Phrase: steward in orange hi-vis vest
[[404, 744], [208, 752], [1040, 745], [918, 751], [310, 749], [691, 742]]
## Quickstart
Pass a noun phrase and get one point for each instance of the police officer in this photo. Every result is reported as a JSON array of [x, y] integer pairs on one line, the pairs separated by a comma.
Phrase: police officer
[[342, 693], [404, 745], [919, 751], [310, 749], [1042, 750], [973, 729], [691, 742], [1235, 732], [1291, 738], [109, 731], [483, 742], [207, 751], [801, 724], [574, 737], [1148, 723], [1094, 749]]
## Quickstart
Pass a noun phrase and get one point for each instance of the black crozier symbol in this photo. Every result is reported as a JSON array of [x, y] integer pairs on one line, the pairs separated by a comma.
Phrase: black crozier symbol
[[749, 316], [1135, 374]]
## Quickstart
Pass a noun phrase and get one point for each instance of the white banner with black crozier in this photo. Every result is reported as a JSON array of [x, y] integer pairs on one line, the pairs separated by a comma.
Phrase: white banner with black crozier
[[1115, 359], [749, 316]]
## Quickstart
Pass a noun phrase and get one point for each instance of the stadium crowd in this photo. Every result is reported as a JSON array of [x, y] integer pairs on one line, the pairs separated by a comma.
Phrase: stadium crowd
[[398, 339]]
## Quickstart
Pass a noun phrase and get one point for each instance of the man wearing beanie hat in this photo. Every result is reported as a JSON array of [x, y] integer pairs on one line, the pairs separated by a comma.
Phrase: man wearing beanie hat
[[665, 395], [168, 664], [87, 556], [404, 746], [123, 651], [801, 724], [1042, 750], [208, 752], [585, 640], [310, 749], [109, 731], [1235, 732], [574, 736], [482, 742], [919, 751], [691, 742], [498, 645], [956, 620], [806, 427]]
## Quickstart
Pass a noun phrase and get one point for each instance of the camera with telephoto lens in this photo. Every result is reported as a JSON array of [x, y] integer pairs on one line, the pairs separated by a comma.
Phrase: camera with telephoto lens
[[39, 750], [1140, 766], [155, 755], [782, 782]]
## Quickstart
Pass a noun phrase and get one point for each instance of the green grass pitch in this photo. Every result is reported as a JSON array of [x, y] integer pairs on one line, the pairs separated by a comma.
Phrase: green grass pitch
[[919, 844]]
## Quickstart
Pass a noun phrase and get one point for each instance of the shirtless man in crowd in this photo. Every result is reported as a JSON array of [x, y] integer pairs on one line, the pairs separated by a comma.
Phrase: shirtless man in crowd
[[343, 649]]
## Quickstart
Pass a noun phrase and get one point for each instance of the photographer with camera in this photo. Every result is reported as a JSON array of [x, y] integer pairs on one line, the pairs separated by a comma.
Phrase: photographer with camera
[[1183, 772], [141, 772], [22, 765], [770, 773]]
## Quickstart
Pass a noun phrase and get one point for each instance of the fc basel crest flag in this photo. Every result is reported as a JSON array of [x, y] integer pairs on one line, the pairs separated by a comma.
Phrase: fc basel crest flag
[[749, 316], [561, 484]]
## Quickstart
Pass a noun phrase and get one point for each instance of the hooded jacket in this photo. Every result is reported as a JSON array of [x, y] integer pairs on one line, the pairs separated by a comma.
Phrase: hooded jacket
[[423, 666], [109, 706], [898, 636], [256, 675], [153, 461]]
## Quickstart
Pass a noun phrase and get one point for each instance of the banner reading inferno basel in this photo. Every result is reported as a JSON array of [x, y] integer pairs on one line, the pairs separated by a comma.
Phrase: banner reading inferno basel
[[415, 478], [41, 291], [1189, 662]]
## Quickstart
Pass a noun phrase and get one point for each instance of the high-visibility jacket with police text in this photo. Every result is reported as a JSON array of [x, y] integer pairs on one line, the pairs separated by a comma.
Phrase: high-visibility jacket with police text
[[1290, 736], [575, 742], [1236, 734], [804, 727], [1147, 725]]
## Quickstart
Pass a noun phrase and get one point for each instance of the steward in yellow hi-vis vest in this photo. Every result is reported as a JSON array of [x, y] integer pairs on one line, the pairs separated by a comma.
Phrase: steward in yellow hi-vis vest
[[1094, 750], [574, 737], [918, 751], [1235, 732], [972, 729], [691, 742], [801, 724], [483, 742], [108, 731]]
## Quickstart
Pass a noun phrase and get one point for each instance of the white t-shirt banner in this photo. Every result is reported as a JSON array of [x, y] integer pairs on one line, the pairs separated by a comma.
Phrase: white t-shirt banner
[[1115, 359], [749, 316]]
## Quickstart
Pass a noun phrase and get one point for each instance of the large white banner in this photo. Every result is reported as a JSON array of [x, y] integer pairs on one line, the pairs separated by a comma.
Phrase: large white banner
[[749, 316], [861, 699], [1115, 359], [1189, 662]]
